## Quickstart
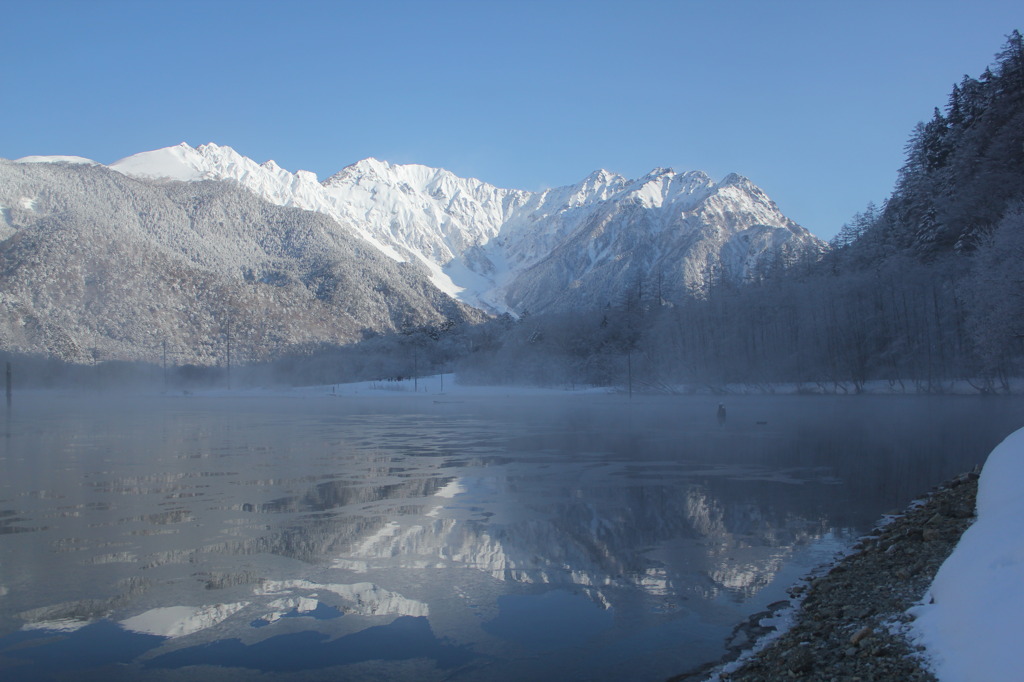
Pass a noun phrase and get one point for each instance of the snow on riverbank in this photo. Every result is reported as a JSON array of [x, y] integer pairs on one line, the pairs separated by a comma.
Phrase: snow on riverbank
[[972, 630]]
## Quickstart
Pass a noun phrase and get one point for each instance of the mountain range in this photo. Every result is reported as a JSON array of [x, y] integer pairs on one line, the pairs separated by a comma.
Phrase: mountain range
[[507, 250], [195, 246]]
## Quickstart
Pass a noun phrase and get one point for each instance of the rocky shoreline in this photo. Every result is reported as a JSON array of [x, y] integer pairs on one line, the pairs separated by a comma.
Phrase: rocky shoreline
[[849, 620]]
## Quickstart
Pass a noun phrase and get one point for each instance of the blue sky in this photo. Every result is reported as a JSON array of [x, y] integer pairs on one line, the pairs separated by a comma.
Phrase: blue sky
[[812, 100]]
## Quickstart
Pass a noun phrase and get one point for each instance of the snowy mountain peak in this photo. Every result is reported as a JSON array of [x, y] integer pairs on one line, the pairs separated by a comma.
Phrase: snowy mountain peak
[[697, 177], [183, 162], [369, 166], [598, 186], [481, 243], [735, 180], [601, 177], [664, 186], [180, 162], [211, 148], [73, 160], [370, 169], [413, 177], [737, 188], [659, 171]]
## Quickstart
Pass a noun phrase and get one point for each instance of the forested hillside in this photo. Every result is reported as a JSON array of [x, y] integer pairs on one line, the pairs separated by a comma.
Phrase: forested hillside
[[95, 265]]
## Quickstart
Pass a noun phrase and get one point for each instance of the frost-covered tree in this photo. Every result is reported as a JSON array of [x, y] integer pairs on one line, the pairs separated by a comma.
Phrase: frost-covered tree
[[996, 295]]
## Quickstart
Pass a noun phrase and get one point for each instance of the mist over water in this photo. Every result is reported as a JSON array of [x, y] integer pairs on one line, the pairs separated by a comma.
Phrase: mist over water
[[437, 537]]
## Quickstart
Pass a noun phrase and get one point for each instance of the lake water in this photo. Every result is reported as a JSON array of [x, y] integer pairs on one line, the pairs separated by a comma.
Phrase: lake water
[[437, 537]]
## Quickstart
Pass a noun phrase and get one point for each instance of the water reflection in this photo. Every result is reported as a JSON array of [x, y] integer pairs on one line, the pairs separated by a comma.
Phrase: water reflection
[[405, 638], [586, 538]]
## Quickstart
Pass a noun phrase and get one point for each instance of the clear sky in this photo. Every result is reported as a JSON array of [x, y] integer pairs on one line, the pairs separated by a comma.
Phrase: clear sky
[[813, 100]]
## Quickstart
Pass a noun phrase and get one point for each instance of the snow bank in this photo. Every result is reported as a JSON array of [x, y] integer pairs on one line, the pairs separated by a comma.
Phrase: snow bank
[[972, 630]]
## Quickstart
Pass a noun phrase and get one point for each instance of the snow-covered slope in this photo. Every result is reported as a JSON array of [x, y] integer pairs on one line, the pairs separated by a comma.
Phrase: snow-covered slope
[[267, 180], [74, 160], [187, 245], [506, 249], [94, 264]]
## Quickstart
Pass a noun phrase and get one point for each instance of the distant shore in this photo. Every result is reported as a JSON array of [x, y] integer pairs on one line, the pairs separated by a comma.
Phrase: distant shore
[[449, 383]]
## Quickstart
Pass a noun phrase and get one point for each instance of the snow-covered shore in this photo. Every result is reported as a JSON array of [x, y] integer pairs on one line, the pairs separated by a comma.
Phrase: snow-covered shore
[[970, 621], [852, 617], [965, 628]]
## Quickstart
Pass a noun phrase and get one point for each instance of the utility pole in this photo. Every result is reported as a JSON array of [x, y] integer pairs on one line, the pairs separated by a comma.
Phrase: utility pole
[[9, 385], [229, 359], [629, 371]]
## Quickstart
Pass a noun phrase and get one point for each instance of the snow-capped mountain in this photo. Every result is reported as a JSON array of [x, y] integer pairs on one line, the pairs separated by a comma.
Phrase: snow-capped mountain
[[98, 265], [507, 249], [197, 245]]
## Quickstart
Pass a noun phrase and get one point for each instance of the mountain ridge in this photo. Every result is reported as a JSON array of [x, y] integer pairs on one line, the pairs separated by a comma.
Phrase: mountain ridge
[[197, 245], [477, 239], [94, 263]]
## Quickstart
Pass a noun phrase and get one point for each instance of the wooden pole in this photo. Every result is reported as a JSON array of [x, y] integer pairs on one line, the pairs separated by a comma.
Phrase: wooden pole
[[629, 372], [9, 384]]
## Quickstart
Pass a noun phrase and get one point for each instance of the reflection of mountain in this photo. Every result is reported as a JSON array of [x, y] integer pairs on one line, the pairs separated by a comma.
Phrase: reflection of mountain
[[365, 599], [332, 523], [661, 539], [178, 621], [74, 615], [327, 526], [274, 599], [647, 536], [613, 538], [404, 638], [103, 650], [337, 494], [658, 538]]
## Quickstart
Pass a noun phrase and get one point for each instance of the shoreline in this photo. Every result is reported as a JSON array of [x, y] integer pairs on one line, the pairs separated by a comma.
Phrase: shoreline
[[448, 383], [850, 622]]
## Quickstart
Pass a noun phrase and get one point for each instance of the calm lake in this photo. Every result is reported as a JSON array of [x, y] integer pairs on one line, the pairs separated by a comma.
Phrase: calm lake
[[423, 537]]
